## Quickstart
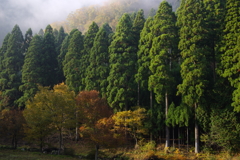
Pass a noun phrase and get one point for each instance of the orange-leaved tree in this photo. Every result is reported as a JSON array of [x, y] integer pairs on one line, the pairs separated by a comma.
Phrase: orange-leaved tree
[[97, 122]]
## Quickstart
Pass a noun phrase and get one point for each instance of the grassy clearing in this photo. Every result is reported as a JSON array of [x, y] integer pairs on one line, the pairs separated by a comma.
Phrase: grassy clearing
[[8, 154]]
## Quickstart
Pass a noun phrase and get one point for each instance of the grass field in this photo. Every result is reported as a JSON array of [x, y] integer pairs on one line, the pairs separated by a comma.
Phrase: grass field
[[8, 154]]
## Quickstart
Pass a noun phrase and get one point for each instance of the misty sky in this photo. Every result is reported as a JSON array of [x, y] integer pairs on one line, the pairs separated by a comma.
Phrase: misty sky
[[37, 14]]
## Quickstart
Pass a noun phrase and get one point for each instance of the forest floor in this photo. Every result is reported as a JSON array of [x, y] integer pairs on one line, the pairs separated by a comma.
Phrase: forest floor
[[86, 151]]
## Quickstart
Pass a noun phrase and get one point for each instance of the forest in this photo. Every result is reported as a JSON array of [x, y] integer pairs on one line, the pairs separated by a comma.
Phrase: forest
[[169, 78]]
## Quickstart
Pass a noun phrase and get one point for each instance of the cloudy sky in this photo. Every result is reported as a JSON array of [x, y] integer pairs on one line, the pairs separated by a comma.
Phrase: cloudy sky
[[38, 13]]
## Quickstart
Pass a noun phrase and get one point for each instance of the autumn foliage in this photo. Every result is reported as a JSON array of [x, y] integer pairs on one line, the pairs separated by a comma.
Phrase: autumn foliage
[[11, 122]]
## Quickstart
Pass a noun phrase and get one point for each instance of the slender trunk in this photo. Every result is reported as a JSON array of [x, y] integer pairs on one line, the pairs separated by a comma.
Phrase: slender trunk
[[173, 139], [187, 139], [77, 127], [60, 141], [138, 103], [167, 128], [179, 136], [151, 136], [196, 132], [96, 153]]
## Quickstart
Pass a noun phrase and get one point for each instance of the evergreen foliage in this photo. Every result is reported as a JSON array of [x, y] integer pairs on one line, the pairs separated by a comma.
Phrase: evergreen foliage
[[88, 44], [12, 65], [143, 62], [31, 70], [49, 59], [194, 70], [71, 64], [27, 39], [98, 70], [121, 84], [230, 57]]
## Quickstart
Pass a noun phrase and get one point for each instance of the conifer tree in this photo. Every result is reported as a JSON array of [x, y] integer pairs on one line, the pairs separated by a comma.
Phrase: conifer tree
[[194, 52], [230, 57], [71, 64], [49, 58], [3, 50], [61, 56], [152, 12], [137, 27], [98, 70], [27, 39], [143, 62], [41, 33], [163, 54], [31, 71], [121, 85], [59, 40], [12, 64], [88, 44]]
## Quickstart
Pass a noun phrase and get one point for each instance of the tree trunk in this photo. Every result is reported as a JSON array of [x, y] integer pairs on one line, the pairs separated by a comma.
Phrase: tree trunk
[[151, 106], [138, 101], [96, 153], [179, 137], [77, 128], [60, 141], [173, 138], [187, 139], [196, 132], [167, 128]]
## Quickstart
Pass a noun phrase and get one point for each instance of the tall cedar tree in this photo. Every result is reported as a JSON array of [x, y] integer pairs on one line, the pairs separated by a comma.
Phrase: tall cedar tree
[[230, 57], [98, 69], [12, 64], [137, 27], [194, 53], [71, 63], [31, 71], [163, 54], [41, 33], [27, 39], [85, 59], [3, 50], [49, 58], [143, 62], [59, 40], [214, 23], [61, 56], [121, 85]]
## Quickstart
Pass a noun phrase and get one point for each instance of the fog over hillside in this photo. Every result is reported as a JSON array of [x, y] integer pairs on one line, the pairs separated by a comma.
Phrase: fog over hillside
[[37, 14]]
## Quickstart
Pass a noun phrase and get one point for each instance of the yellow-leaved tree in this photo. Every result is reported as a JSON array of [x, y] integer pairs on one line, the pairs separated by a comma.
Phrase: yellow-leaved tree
[[50, 111], [132, 122]]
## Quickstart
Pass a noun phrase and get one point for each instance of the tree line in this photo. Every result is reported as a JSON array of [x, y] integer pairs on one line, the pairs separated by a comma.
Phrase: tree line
[[182, 68]]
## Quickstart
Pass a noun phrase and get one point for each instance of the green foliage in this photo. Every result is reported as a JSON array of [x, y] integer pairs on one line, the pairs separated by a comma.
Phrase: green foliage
[[122, 66], [98, 70], [171, 117], [49, 58], [27, 39], [230, 57], [12, 65], [143, 62], [59, 41], [71, 64], [31, 71], [163, 52], [224, 132]]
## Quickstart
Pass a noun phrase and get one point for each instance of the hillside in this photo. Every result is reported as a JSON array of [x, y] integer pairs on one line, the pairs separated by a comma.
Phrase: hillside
[[109, 12]]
